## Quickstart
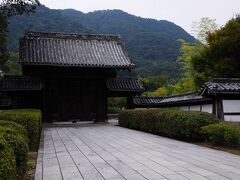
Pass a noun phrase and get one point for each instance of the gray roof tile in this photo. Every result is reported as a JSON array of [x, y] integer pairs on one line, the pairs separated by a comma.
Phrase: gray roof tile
[[59, 49], [221, 85], [170, 100], [20, 83], [124, 84]]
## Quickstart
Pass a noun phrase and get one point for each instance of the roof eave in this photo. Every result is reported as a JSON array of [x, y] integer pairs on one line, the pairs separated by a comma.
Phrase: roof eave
[[79, 66]]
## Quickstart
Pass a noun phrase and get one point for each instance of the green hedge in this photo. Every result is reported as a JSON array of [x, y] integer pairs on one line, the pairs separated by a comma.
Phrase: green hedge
[[19, 144], [168, 122], [19, 128], [28, 118], [222, 134], [7, 161]]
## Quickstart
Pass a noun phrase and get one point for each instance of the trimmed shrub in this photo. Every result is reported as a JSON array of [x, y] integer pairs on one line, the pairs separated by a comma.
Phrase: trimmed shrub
[[184, 124], [19, 128], [172, 123], [28, 118], [7, 161], [19, 144], [13, 131], [222, 134], [138, 119]]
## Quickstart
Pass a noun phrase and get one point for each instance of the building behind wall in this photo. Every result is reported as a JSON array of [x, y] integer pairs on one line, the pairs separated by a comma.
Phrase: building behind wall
[[70, 76], [220, 96]]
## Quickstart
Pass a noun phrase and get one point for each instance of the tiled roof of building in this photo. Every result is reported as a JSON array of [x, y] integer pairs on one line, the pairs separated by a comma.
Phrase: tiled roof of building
[[184, 97], [147, 100], [124, 84], [20, 83], [78, 50], [168, 100], [221, 85]]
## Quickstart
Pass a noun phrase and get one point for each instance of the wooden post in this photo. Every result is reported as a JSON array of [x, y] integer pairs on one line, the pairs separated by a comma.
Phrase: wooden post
[[214, 105], [219, 104]]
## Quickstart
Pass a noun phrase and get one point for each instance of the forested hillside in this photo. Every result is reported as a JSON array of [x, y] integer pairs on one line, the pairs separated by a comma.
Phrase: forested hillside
[[152, 45]]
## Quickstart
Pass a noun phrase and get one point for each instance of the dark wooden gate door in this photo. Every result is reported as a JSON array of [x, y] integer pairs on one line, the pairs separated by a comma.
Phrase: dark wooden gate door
[[77, 102]]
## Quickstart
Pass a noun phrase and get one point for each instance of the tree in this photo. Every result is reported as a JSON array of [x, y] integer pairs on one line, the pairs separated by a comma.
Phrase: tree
[[9, 8], [13, 64], [203, 27], [220, 57], [152, 83], [201, 30]]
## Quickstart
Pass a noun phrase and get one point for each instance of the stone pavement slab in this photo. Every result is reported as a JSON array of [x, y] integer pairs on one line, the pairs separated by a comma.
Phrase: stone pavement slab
[[105, 151]]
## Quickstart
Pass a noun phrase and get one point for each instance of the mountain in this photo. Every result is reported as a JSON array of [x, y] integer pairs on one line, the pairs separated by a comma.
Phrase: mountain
[[152, 45], [44, 19]]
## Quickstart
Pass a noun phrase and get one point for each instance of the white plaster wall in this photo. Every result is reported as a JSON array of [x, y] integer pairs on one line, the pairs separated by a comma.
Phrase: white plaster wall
[[195, 107], [207, 108], [185, 108], [173, 107], [231, 106], [235, 118]]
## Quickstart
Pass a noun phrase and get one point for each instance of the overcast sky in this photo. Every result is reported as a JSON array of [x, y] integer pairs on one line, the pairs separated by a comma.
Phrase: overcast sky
[[181, 12]]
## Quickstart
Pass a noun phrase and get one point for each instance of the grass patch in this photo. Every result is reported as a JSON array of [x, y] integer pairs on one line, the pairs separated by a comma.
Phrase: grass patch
[[32, 160]]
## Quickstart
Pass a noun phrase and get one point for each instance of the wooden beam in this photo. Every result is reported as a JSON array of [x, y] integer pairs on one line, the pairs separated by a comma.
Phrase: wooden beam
[[220, 113]]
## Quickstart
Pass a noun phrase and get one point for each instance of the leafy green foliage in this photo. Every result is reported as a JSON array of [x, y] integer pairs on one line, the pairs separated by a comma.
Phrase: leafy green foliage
[[115, 104], [9, 8], [222, 134], [186, 81], [151, 83], [19, 144], [3, 40], [19, 128], [13, 65], [221, 56], [30, 119], [182, 86], [7, 161], [203, 27], [172, 123]]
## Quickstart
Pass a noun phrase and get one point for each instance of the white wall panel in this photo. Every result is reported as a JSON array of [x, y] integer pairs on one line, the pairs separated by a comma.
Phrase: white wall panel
[[195, 107], [231, 118], [231, 106], [207, 108], [185, 108]]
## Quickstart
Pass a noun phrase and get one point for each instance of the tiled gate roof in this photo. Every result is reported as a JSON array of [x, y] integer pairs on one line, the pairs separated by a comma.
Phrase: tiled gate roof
[[78, 50]]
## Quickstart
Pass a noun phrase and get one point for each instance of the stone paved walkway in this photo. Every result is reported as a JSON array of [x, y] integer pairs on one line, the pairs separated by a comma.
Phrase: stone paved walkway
[[104, 151]]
